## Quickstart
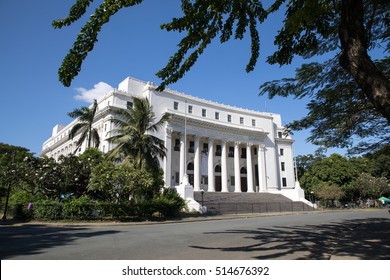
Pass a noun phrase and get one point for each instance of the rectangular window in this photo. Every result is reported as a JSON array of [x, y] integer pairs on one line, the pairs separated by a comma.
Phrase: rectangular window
[[284, 182], [280, 134], [191, 149], [241, 120], [129, 104], [253, 122], [205, 147], [281, 152], [189, 109], [229, 118], [283, 166], [243, 152], [217, 115], [203, 112], [218, 150], [231, 152], [176, 105], [177, 145], [232, 181]]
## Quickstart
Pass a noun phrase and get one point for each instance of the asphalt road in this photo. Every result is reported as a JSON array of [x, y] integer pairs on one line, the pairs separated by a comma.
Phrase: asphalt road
[[309, 236]]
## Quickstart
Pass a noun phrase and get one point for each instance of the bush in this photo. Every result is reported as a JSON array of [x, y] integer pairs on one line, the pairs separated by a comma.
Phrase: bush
[[47, 210], [169, 203], [118, 211], [78, 208], [144, 208], [19, 202]]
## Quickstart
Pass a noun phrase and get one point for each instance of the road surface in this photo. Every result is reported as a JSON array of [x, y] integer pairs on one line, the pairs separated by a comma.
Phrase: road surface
[[363, 234]]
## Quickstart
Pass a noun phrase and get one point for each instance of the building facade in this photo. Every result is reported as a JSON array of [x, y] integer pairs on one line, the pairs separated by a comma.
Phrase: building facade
[[219, 148]]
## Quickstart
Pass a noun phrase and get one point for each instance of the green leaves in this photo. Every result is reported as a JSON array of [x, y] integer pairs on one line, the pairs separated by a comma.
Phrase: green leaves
[[86, 117], [86, 39], [339, 113], [133, 135], [310, 28], [203, 21]]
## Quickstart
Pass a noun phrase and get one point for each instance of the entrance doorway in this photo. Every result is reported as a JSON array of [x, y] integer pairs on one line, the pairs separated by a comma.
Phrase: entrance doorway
[[244, 180], [218, 181], [218, 184]]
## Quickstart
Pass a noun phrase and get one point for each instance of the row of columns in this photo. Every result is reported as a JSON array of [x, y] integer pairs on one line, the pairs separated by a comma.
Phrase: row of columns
[[224, 175]]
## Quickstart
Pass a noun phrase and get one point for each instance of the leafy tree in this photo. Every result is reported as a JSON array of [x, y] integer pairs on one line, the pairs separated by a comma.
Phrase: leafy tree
[[328, 192], [145, 184], [18, 153], [11, 171], [110, 181], [120, 183], [305, 163], [92, 156], [333, 171], [134, 135], [86, 117], [350, 87], [339, 112], [379, 162], [44, 176], [369, 186], [75, 175]]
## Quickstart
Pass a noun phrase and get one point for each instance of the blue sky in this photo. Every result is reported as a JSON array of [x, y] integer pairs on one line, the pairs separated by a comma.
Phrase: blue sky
[[131, 44]]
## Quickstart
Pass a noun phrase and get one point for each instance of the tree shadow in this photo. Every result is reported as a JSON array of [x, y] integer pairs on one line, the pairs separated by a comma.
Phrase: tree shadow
[[364, 239], [27, 240]]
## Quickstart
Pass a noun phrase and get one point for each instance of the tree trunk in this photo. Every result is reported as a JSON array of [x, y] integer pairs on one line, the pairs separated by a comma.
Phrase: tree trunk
[[89, 135], [355, 59]]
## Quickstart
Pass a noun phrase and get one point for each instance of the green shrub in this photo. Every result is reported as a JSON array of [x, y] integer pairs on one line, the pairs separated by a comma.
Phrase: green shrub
[[78, 208], [19, 202], [144, 208], [169, 203], [117, 211], [47, 210]]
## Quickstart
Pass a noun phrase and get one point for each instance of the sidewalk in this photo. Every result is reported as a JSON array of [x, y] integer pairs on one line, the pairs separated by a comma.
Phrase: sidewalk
[[201, 218]]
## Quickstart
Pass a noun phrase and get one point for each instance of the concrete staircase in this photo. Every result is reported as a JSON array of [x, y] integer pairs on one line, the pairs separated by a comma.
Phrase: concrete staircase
[[246, 203]]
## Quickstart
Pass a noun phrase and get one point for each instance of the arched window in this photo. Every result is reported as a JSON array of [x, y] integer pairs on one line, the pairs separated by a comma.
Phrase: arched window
[[190, 166], [243, 170], [217, 168]]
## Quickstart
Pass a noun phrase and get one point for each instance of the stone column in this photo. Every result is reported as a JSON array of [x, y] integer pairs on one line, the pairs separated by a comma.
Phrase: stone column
[[224, 168], [196, 164], [237, 174], [261, 166], [249, 167], [168, 158], [182, 169], [211, 185]]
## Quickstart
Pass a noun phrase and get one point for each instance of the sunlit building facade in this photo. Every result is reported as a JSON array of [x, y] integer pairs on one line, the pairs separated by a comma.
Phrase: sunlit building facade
[[219, 148]]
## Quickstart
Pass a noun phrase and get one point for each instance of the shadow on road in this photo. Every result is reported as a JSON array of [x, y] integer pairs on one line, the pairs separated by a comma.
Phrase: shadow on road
[[33, 239], [365, 239]]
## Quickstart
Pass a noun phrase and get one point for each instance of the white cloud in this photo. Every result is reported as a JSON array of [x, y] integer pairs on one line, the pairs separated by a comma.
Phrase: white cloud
[[88, 95]]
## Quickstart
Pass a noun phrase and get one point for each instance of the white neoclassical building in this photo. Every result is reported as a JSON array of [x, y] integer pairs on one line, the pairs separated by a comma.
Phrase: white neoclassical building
[[216, 147]]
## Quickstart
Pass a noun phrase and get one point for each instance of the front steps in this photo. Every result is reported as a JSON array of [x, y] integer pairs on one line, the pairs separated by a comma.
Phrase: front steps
[[247, 203]]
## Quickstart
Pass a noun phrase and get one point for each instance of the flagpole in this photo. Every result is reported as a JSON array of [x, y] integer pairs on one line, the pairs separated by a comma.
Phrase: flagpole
[[185, 137], [185, 179]]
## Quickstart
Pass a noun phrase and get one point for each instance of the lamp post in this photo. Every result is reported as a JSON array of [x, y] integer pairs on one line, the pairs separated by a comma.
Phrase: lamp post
[[202, 192]]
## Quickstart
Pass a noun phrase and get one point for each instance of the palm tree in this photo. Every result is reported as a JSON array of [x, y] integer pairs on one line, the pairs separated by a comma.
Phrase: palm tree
[[86, 117], [134, 137]]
